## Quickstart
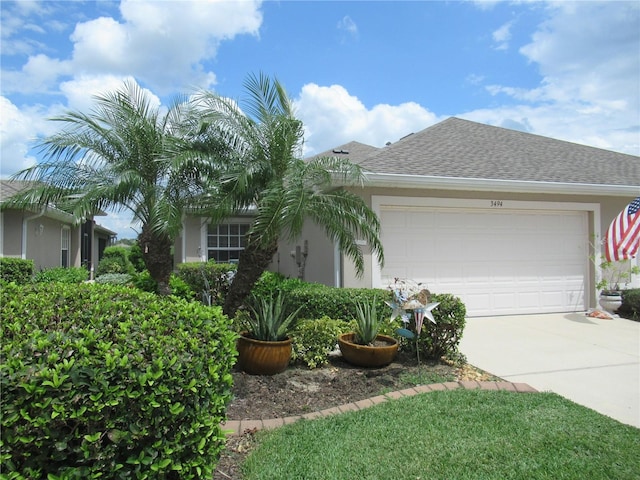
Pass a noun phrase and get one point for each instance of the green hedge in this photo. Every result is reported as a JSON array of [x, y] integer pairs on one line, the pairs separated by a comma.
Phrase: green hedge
[[436, 340], [62, 275], [16, 270], [317, 300], [106, 381], [443, 337], [630, 307], [114, 260], [196, 275]]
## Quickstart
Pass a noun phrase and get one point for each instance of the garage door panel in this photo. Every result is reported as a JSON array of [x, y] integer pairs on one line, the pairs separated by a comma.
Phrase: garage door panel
[[498, 262]]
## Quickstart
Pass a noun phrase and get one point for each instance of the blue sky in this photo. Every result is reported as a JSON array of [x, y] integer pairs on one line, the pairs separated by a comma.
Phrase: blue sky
[[366, 71]]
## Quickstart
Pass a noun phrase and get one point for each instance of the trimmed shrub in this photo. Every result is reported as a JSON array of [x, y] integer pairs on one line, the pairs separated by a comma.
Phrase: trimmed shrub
[[16, 270], [318, 300], [62, 275], [313, 340], [442, 338], [106, 381], [115, 279], [114, 260], [180, 288], [135, 258], [145, 282], [210, 278], [270, 283], [630, 307]]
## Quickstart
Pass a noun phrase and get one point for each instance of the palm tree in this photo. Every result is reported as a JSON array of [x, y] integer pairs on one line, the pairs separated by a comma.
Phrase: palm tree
[[262, 172], [127, 154]]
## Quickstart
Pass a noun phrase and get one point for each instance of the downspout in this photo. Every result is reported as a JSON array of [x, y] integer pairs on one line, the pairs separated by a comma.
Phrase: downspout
[[25, 221]]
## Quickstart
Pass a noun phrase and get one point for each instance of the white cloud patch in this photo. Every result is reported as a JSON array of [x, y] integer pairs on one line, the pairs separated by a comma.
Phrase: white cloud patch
[[163, 43], [333, 117], [587, 53], [18, 128], [346, 24], [502, 36]]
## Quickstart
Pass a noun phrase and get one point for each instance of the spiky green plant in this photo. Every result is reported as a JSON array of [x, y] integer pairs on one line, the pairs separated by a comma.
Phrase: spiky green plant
[[368, 321], [267, 320]]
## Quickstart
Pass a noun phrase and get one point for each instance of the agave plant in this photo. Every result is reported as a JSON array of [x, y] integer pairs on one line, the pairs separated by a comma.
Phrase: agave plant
[[267, 320], [368, 322]]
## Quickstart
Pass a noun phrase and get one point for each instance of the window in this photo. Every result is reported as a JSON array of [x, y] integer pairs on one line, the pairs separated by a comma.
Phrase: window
[[64, 242], [226, 241]]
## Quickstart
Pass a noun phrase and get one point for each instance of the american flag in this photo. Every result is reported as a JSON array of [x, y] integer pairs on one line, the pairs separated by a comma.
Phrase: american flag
[[623, 235]]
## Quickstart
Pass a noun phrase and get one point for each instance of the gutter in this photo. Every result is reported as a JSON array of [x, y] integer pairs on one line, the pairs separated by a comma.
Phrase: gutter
[[490, 185], [25, 221]]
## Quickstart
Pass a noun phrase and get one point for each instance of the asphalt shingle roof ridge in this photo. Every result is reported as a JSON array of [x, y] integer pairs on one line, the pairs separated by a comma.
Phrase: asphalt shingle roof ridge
[[465, 149]]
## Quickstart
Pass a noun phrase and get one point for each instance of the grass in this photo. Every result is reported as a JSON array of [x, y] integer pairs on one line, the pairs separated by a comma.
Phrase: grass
[[460, 434]]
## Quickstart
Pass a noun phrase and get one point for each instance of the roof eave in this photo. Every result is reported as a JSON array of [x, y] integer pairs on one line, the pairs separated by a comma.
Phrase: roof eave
[[495, 185]]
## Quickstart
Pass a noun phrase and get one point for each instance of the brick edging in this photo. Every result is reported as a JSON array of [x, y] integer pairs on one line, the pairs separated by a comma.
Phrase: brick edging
[[236, 427]]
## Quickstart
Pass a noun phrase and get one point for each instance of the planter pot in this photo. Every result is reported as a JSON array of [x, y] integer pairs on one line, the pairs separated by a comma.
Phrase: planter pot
[[258, 357], [366, 355], [611, 302]]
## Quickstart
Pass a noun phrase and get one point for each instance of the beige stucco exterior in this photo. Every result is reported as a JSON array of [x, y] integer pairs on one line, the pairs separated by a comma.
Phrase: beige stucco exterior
[[37, 235]]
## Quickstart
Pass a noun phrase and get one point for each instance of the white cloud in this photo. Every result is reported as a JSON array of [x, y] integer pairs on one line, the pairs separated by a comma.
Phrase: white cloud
[[333, 117], [80, 92], [587, 53], [17, 131], [502, 36], [163, 43], [348, 25]]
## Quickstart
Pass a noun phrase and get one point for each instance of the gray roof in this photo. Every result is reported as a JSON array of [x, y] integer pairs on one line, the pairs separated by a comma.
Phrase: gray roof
[[457, 148], [8, 188], [355, 152]]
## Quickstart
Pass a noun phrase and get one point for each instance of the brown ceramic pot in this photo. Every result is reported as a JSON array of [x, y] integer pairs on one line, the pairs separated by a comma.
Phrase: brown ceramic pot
[[258, 357], [367, 355]]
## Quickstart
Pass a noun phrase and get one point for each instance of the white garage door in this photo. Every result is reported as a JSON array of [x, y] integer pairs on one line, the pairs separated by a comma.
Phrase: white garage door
[[498, 262]]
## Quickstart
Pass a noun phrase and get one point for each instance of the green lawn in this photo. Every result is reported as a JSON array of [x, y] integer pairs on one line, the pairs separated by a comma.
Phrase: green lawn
[[449, 435]]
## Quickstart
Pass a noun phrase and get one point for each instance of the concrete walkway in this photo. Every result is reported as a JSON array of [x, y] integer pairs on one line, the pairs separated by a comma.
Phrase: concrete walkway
[[237, 427], [593, 362]]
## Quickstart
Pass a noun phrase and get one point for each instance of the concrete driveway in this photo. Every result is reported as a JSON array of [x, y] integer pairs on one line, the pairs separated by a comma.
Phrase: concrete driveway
[[593, 362]]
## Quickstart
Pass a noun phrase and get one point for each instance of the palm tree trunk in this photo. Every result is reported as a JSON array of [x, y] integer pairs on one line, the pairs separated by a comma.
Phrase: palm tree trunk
[[254, 260], [156, 253]]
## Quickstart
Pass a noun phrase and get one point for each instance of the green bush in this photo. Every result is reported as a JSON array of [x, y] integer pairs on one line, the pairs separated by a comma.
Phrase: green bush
[[210, 278], [106, 381], [115, 278], [313, 340], [630, 307], [318, 300], [443, 337], [145, 282], [62, 275], [180, 288], [16, 270], [135, 258], [114, 260], [270, 283]]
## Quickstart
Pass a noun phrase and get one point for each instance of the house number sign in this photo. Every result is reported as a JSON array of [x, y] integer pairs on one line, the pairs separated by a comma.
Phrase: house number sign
[[496, 203]]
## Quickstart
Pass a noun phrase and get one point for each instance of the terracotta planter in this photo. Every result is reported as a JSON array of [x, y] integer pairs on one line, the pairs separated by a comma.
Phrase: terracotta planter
[[258, 357], [365, 355]]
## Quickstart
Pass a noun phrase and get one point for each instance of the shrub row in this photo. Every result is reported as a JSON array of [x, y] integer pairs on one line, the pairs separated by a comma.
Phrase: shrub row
[[209, 281], [630, 307], [106, 381], [16, 270], [326, 303]]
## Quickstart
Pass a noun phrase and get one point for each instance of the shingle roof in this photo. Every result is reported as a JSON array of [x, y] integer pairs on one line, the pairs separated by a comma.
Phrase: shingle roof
[[355, 152], [459, 148], [8, 188]]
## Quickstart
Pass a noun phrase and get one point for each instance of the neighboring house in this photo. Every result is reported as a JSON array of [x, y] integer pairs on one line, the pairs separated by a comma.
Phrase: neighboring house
[[503, 219], [49, 236]]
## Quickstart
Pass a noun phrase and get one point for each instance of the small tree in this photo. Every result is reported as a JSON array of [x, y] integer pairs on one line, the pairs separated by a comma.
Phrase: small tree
[[262, 171]]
